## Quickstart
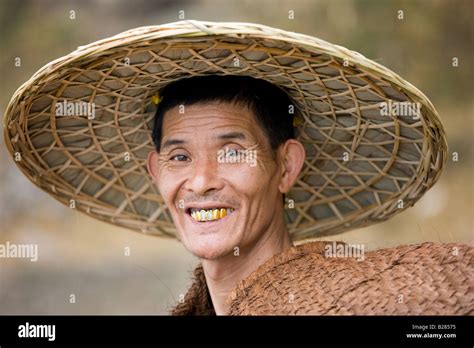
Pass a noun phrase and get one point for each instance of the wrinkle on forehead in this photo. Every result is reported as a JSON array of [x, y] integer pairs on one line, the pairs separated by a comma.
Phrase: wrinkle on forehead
[[201, 118], [202, 112]]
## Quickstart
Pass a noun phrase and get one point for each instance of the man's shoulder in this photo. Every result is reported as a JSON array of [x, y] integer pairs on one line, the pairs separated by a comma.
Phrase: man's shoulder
[[338, 278]]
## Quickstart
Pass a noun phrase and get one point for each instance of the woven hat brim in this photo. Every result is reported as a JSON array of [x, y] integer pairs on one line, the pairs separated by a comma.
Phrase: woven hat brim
[[361, 166]]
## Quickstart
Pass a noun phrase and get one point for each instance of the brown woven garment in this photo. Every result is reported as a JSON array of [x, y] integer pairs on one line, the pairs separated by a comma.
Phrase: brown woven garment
[[424, 279], [197, 300]]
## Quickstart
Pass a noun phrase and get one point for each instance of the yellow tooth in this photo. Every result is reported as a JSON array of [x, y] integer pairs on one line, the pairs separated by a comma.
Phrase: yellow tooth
[[216, 214], [223, 212]]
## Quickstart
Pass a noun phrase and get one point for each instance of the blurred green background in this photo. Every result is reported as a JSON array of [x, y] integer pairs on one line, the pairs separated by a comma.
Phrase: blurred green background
[[84, 257]]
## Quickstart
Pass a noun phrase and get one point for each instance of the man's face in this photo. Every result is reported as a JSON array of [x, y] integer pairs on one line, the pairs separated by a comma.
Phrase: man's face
[[201, 171]]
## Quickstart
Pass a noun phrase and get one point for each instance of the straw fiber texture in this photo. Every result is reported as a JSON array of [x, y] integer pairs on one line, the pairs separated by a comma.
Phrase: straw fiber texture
[[424, 279]]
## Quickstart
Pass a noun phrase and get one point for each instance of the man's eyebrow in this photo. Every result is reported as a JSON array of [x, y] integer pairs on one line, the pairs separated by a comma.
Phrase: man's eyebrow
[[170, 142], [226, 136], [232, 135]]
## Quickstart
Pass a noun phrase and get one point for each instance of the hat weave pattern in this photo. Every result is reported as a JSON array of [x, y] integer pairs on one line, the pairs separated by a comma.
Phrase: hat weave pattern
[[361, 166]]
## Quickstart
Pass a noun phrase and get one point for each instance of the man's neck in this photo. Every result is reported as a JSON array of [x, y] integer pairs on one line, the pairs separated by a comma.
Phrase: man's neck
[[224, 274]]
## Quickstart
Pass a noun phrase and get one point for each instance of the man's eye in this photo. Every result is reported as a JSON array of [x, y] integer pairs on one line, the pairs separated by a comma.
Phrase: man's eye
[[232, 152], [179, 158]]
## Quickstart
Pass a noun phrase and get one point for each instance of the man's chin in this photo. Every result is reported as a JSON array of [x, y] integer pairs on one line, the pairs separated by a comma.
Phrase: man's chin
[[208, 246], [209, 250]]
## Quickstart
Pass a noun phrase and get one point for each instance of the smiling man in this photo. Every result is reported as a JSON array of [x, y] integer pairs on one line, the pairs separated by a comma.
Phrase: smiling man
[[227, 212], [231, 215], [261, 138]]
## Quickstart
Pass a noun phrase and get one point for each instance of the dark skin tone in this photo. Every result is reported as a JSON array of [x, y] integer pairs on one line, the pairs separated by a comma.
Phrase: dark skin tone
[[188, 174]]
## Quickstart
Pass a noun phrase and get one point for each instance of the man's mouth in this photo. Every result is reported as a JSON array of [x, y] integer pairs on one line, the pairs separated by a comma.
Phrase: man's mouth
[[212, 214]]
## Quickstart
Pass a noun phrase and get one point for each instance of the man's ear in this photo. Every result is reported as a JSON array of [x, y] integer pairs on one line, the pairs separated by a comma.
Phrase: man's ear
[[292, 157], [152, 165]]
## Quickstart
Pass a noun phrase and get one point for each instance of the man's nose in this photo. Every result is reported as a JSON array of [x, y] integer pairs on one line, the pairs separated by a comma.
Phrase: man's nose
[[204, 177]]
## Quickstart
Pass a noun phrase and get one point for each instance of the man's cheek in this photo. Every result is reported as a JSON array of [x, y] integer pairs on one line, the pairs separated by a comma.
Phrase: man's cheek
[[166, 189], [257, 171]]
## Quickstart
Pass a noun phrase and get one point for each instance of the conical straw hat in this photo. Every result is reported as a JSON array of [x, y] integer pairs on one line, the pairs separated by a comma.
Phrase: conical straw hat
[[374, 143]]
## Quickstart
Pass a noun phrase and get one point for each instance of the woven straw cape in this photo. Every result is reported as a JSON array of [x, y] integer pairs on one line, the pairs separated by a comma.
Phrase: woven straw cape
[[362, 166], [423, 279]]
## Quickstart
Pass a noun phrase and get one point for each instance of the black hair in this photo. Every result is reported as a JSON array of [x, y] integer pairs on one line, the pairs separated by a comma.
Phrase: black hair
[[270, 105]]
